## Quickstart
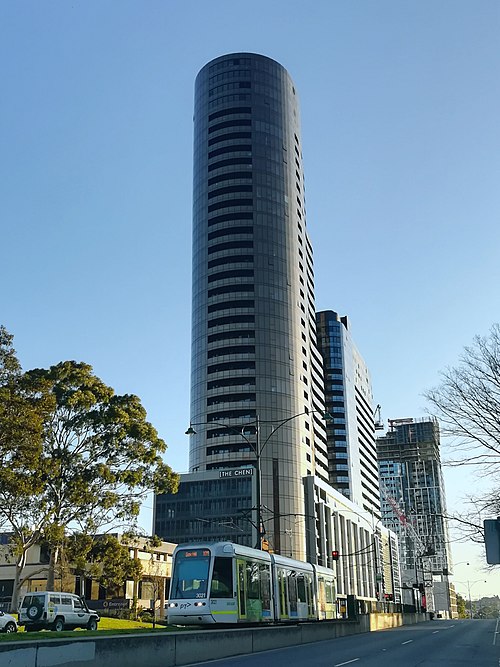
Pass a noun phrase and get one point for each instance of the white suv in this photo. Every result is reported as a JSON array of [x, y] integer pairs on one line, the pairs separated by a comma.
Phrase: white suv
[[56, 611], [7, 622]]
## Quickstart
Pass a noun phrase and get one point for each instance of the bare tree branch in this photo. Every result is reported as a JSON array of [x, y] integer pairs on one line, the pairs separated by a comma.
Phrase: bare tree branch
[[467, 405]]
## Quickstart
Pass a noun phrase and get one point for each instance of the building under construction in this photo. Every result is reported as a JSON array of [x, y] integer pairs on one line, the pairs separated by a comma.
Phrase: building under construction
[[414, 506]]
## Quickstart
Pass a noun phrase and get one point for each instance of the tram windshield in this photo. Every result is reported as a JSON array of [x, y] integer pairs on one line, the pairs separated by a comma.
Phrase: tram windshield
[[190, 576]]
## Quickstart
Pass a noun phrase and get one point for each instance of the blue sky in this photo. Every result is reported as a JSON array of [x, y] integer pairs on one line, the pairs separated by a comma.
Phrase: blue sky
[[400, 106]]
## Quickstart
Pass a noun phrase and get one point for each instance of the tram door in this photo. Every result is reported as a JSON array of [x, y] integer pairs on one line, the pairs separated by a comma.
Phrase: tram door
[[254, 591]]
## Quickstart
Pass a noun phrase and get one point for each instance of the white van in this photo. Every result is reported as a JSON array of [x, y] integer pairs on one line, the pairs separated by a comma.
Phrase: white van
[[56, 611]]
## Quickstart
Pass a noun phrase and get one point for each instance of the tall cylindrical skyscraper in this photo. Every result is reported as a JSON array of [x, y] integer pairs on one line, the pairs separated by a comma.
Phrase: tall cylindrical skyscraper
[[254, 353]]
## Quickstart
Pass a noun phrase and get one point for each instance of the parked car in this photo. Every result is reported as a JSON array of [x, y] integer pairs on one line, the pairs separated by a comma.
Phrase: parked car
[[7, 622], [56, 611]]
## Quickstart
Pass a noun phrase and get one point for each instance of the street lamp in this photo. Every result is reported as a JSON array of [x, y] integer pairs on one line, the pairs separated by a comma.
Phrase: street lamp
[[257, 449], [469, 584]]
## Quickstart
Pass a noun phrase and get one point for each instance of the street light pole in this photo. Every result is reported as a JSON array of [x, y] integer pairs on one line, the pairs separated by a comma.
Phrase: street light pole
[[257, 448], [469, 584], [258, 487], [470, 601]]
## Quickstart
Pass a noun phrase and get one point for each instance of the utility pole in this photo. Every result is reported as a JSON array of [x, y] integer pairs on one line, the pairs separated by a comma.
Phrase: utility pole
[[258, 487]]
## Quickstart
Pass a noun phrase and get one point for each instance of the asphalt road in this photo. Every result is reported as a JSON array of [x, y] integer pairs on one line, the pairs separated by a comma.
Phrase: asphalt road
[[475, 643]]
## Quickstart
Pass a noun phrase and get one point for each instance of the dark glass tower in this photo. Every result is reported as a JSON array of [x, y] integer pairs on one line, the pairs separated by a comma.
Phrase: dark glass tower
[[254, 353], [352, 450]]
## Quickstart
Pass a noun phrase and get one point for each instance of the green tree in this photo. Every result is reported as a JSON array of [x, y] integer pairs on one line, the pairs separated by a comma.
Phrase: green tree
[[74, 456], [22, 410], [461, 607], [488, 607], [103, 558], [100, 456], [155, 576], [24, 407], [9, 363]]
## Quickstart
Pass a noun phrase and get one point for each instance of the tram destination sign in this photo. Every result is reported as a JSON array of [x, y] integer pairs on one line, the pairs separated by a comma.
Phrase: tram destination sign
[[237, 472]]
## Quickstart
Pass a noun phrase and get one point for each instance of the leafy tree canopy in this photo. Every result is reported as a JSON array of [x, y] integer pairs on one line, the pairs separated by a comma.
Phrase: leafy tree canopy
[[104, 558], [9, 364], [73, 454], [23, 409], [100, 454]]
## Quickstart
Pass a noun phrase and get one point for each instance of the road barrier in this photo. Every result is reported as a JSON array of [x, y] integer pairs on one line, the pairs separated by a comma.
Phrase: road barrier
[[172, 649]]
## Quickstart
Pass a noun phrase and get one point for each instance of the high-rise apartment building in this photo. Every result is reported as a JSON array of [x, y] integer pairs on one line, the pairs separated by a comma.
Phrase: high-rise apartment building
[[257, 382], [352, 450], [254, 352]]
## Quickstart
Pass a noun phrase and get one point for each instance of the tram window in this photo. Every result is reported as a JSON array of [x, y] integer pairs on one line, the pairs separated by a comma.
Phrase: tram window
[[321, 594], [190, 574], [253, 592], [329, 591], [301, 588], [265, 587], [241, 588], [292, 591], [310, 597], [222, 578], [283, 592]]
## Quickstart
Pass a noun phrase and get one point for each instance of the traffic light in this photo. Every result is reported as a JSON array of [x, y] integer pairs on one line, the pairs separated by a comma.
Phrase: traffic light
[[335, 555]]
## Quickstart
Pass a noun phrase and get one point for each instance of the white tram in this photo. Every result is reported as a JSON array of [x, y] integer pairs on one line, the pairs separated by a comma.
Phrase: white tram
[[224, 582]]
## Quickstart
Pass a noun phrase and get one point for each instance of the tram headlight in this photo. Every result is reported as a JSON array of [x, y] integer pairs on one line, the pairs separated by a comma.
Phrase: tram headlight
[[199, 604], [172, 604]]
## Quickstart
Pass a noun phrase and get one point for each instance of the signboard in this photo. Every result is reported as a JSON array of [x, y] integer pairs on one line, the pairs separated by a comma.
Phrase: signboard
[[237, 472], [116, 604], [492, 540], [202, 553]]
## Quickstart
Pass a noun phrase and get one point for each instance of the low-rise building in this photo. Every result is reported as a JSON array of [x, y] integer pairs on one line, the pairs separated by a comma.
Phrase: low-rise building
[[150, 591]]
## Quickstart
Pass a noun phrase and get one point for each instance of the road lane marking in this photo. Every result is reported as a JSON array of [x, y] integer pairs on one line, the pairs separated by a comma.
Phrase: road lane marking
[[339, 664], [435, 632], [408, 642], [495, 634]]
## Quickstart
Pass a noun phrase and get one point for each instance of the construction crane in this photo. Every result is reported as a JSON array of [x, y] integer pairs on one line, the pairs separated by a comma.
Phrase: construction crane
[[379, 424], [408, 529]]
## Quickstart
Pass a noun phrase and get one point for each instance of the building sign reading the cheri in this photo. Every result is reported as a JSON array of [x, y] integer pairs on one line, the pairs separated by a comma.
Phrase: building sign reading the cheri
[[238, 472]]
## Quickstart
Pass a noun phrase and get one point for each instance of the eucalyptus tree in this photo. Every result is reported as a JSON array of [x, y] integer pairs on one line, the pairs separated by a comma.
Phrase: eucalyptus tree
[[103, 558], [100, 456], [24, 407], [74, 457]]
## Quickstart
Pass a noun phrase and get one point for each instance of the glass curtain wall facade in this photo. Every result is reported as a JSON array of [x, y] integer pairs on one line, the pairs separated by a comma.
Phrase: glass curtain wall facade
[[207, 506], [254, 353], [352, 450]]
